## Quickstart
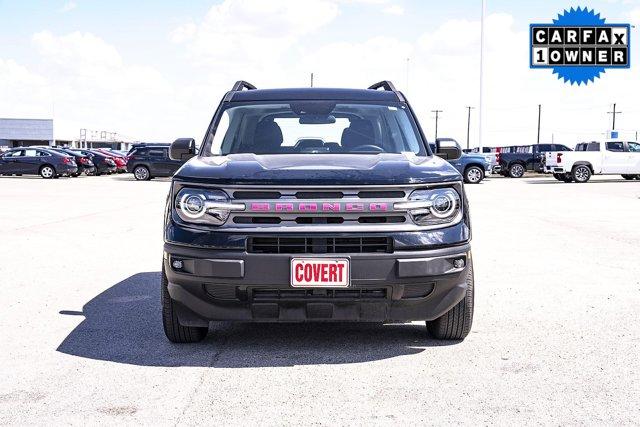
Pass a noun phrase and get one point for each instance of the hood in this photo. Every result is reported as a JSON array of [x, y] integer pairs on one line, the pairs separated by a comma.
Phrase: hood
[[481, 157], [318, 169]]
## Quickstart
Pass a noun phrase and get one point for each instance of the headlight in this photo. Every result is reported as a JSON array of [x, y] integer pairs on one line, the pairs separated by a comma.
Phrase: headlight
[[201, 206], [439, 206]]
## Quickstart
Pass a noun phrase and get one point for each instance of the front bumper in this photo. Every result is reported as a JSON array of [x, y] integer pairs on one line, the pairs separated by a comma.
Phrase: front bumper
[[385, 287]]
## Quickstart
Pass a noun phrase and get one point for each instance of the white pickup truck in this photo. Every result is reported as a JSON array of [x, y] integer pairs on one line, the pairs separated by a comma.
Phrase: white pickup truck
[[595, 158]]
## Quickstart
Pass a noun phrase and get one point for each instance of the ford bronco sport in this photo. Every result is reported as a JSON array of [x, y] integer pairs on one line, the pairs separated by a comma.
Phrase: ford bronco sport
[[315, 205]]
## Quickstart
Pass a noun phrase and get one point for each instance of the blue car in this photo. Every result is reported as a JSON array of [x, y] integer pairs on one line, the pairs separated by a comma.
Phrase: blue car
[[472, 167], [37, 161]]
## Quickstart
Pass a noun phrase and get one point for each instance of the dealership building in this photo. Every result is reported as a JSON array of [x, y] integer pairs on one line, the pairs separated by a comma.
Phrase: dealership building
[[32, 132], [25, 132]]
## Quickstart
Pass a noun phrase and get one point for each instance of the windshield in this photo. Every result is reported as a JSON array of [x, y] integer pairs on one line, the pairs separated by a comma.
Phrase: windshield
[[314, 127]]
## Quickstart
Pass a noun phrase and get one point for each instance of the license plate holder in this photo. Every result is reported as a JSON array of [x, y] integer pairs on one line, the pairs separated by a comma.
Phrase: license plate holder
[[320, 272]]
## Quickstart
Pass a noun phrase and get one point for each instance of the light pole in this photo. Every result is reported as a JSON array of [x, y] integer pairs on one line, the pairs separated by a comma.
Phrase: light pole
[[481, 103]]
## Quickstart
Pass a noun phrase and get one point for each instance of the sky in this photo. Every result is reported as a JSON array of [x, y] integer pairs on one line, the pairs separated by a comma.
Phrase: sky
[[156, 70]]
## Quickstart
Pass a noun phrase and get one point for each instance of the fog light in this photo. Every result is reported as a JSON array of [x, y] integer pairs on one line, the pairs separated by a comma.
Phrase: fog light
[[177, 264], [458, 263]]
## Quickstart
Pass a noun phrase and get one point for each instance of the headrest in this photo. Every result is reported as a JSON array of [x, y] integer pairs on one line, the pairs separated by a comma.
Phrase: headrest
[[267, 137], [359, 132]]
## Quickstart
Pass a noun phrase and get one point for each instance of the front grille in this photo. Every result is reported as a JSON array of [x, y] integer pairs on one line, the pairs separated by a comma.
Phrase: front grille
[[319, 245], [307, 294], [319, 209]]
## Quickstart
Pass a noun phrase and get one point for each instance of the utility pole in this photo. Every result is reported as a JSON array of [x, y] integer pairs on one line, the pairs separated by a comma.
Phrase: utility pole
[[539, 115], [311, 79], [468, 123], [613, 113], [437, 112]]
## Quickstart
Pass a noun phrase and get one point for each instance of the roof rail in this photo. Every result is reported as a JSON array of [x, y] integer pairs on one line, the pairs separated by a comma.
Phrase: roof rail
[[241, 84], [387, 85], [237, 87]]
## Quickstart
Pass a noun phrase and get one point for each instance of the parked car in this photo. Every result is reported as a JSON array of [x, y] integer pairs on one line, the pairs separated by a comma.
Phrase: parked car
[[120, 160], [121, 153], [84, 162], [150, 161], [595, 158], [37, 161], [472, 167], [104, 164], [526, 158], [357, 221]]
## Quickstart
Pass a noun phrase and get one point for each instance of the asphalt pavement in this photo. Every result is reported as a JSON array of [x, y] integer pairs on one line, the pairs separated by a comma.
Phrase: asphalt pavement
[[555, 338]]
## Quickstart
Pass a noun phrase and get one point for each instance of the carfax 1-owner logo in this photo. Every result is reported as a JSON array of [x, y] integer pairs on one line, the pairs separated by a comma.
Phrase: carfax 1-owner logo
[[579, 45]]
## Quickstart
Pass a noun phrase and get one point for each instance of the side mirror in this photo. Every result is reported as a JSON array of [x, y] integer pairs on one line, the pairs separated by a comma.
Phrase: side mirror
[[449, 153], [448, 149], [182, 149]]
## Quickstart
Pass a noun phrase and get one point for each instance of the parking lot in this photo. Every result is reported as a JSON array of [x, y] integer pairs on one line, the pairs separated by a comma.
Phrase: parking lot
[[555, 339]]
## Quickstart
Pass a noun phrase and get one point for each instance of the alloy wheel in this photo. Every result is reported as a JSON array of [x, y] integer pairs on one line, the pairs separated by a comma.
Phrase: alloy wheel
[[141, 173], [47, 172], [517, 171], [474, 175], [582, 173]]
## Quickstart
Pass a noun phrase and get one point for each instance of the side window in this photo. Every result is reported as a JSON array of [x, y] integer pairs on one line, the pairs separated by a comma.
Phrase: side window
[[157, 153], [634, 147], [42, 153], [615, 146], [30, 152], [593, 146]]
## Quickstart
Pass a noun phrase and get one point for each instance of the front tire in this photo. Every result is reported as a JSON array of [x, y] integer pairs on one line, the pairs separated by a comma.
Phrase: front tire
[[174, 331], [581, 174], [630, 177], [473, 175], [516, 170], [141, 173], [455, 324]]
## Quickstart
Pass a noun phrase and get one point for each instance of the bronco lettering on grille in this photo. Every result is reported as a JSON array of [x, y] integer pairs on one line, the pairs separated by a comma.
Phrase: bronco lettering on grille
[[314, 207]]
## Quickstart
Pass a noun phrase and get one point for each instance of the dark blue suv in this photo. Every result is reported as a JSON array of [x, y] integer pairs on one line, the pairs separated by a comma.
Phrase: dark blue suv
[[315, 205]]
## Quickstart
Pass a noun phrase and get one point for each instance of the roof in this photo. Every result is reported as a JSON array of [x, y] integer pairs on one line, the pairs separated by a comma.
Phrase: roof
[[313, 93]]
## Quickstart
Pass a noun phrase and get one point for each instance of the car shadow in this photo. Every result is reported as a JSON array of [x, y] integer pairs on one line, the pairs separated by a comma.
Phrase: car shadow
[[123, 325]]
